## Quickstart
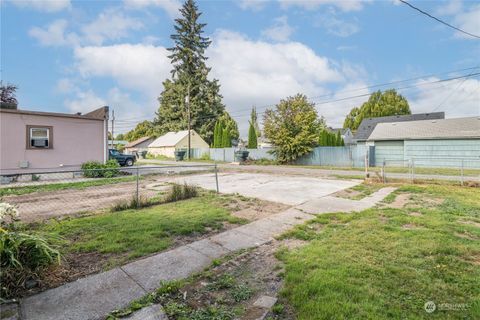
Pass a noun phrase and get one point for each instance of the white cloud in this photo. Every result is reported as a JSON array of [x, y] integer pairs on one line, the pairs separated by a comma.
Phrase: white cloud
[[458, 98], [280, 30], [254, 5], [134, 66], [85, 102], [112, 24], [65, 86], [43, 5], [344, 5], [464, 17], [170, 6], [54, 34], [250, 72], [336, 26]]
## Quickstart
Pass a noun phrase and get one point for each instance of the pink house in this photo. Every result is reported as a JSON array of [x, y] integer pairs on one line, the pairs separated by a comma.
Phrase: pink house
[[32, 140]]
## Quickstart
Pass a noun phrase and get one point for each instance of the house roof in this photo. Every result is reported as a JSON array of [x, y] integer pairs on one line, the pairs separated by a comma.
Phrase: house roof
[[457, 128], [368, 125], [136, 142], [169, 139], [98, 114]]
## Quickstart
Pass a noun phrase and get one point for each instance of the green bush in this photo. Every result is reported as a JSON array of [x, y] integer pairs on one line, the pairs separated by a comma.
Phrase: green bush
[[95, 169], [21, 256]]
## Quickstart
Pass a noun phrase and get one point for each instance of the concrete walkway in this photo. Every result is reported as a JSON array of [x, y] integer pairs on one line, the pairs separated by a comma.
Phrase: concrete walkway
[[93, 297]]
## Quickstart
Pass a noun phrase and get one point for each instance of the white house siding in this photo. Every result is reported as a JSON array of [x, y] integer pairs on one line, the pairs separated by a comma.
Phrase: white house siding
[[443, 153], [162, 151]]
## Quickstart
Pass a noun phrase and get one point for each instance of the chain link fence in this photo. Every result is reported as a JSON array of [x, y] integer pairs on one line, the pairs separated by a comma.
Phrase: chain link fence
[[48, 194], [463, 171]]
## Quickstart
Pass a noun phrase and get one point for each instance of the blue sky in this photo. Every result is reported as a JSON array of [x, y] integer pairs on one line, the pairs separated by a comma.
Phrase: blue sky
[[69, 56]]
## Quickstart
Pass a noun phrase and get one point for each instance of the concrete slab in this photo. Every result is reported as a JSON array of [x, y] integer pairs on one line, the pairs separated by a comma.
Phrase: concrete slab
[[264, 228], [153, 312], [292, 190], [234, 240], [175, 264], [208, 248], [266, 302], [292, 217], [85, 299], [332, 204]]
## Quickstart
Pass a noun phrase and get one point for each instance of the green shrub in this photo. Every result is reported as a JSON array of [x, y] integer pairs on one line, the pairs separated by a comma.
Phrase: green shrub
[[95, 169], [133, 203], [21, 255]]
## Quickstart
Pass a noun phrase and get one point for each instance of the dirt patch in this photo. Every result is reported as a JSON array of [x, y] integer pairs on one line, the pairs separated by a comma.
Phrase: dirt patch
[[348, 194], [415, 214], [39, 206], [410, 226], [470, 222], [467, 235], [230, 289], [259, 209], [409, 200], [400, 201]]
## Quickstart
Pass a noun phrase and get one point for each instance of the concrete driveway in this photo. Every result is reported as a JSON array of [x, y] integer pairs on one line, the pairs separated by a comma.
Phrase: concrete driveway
[[291, 190]]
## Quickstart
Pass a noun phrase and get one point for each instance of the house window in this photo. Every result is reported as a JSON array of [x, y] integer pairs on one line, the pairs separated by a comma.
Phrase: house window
[[39, 137]]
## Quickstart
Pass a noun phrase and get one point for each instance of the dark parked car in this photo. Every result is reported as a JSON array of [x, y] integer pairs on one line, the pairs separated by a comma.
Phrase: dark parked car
[[122, 159]]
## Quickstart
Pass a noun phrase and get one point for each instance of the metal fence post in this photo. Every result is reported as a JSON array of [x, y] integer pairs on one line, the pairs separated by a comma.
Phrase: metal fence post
[[138, 195], [383, 172], [413, 170], [462, 173], [216, 177]]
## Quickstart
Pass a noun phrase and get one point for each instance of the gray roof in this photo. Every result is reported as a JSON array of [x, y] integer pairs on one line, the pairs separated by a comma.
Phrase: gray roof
[[458, 128], [368, 124], [137, 142], [169, 139], [342, 130]]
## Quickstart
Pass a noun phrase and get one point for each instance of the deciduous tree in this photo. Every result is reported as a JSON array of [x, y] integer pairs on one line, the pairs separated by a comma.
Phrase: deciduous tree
[[292, 127], [380, 104]]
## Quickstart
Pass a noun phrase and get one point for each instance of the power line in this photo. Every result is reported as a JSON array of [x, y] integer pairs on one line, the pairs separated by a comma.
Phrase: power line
[[345, 91], [451, 93], [439, 20], [247, 112]]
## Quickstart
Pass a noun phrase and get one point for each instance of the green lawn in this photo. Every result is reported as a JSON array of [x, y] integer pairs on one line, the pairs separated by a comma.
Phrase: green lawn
[[386, 263], [62, 186], [134, 233]]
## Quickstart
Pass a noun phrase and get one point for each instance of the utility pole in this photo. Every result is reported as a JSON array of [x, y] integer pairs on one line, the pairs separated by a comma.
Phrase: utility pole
[[187, 103], [113, 123]]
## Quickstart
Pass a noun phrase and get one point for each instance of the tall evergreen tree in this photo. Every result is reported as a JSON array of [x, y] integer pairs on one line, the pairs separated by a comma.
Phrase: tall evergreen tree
[[339, 139], [254, 121], [252, 137], [189, 77]]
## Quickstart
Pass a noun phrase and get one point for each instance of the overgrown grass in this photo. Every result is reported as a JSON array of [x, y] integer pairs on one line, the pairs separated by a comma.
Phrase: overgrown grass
[[134, 233], [386, 263], [62, 186]]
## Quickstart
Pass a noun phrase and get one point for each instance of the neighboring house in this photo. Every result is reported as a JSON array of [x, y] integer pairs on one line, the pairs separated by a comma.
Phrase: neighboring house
[[166, 144], [441, 143], [368, 124], [346, 134], [138, 145], [40, 140]]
